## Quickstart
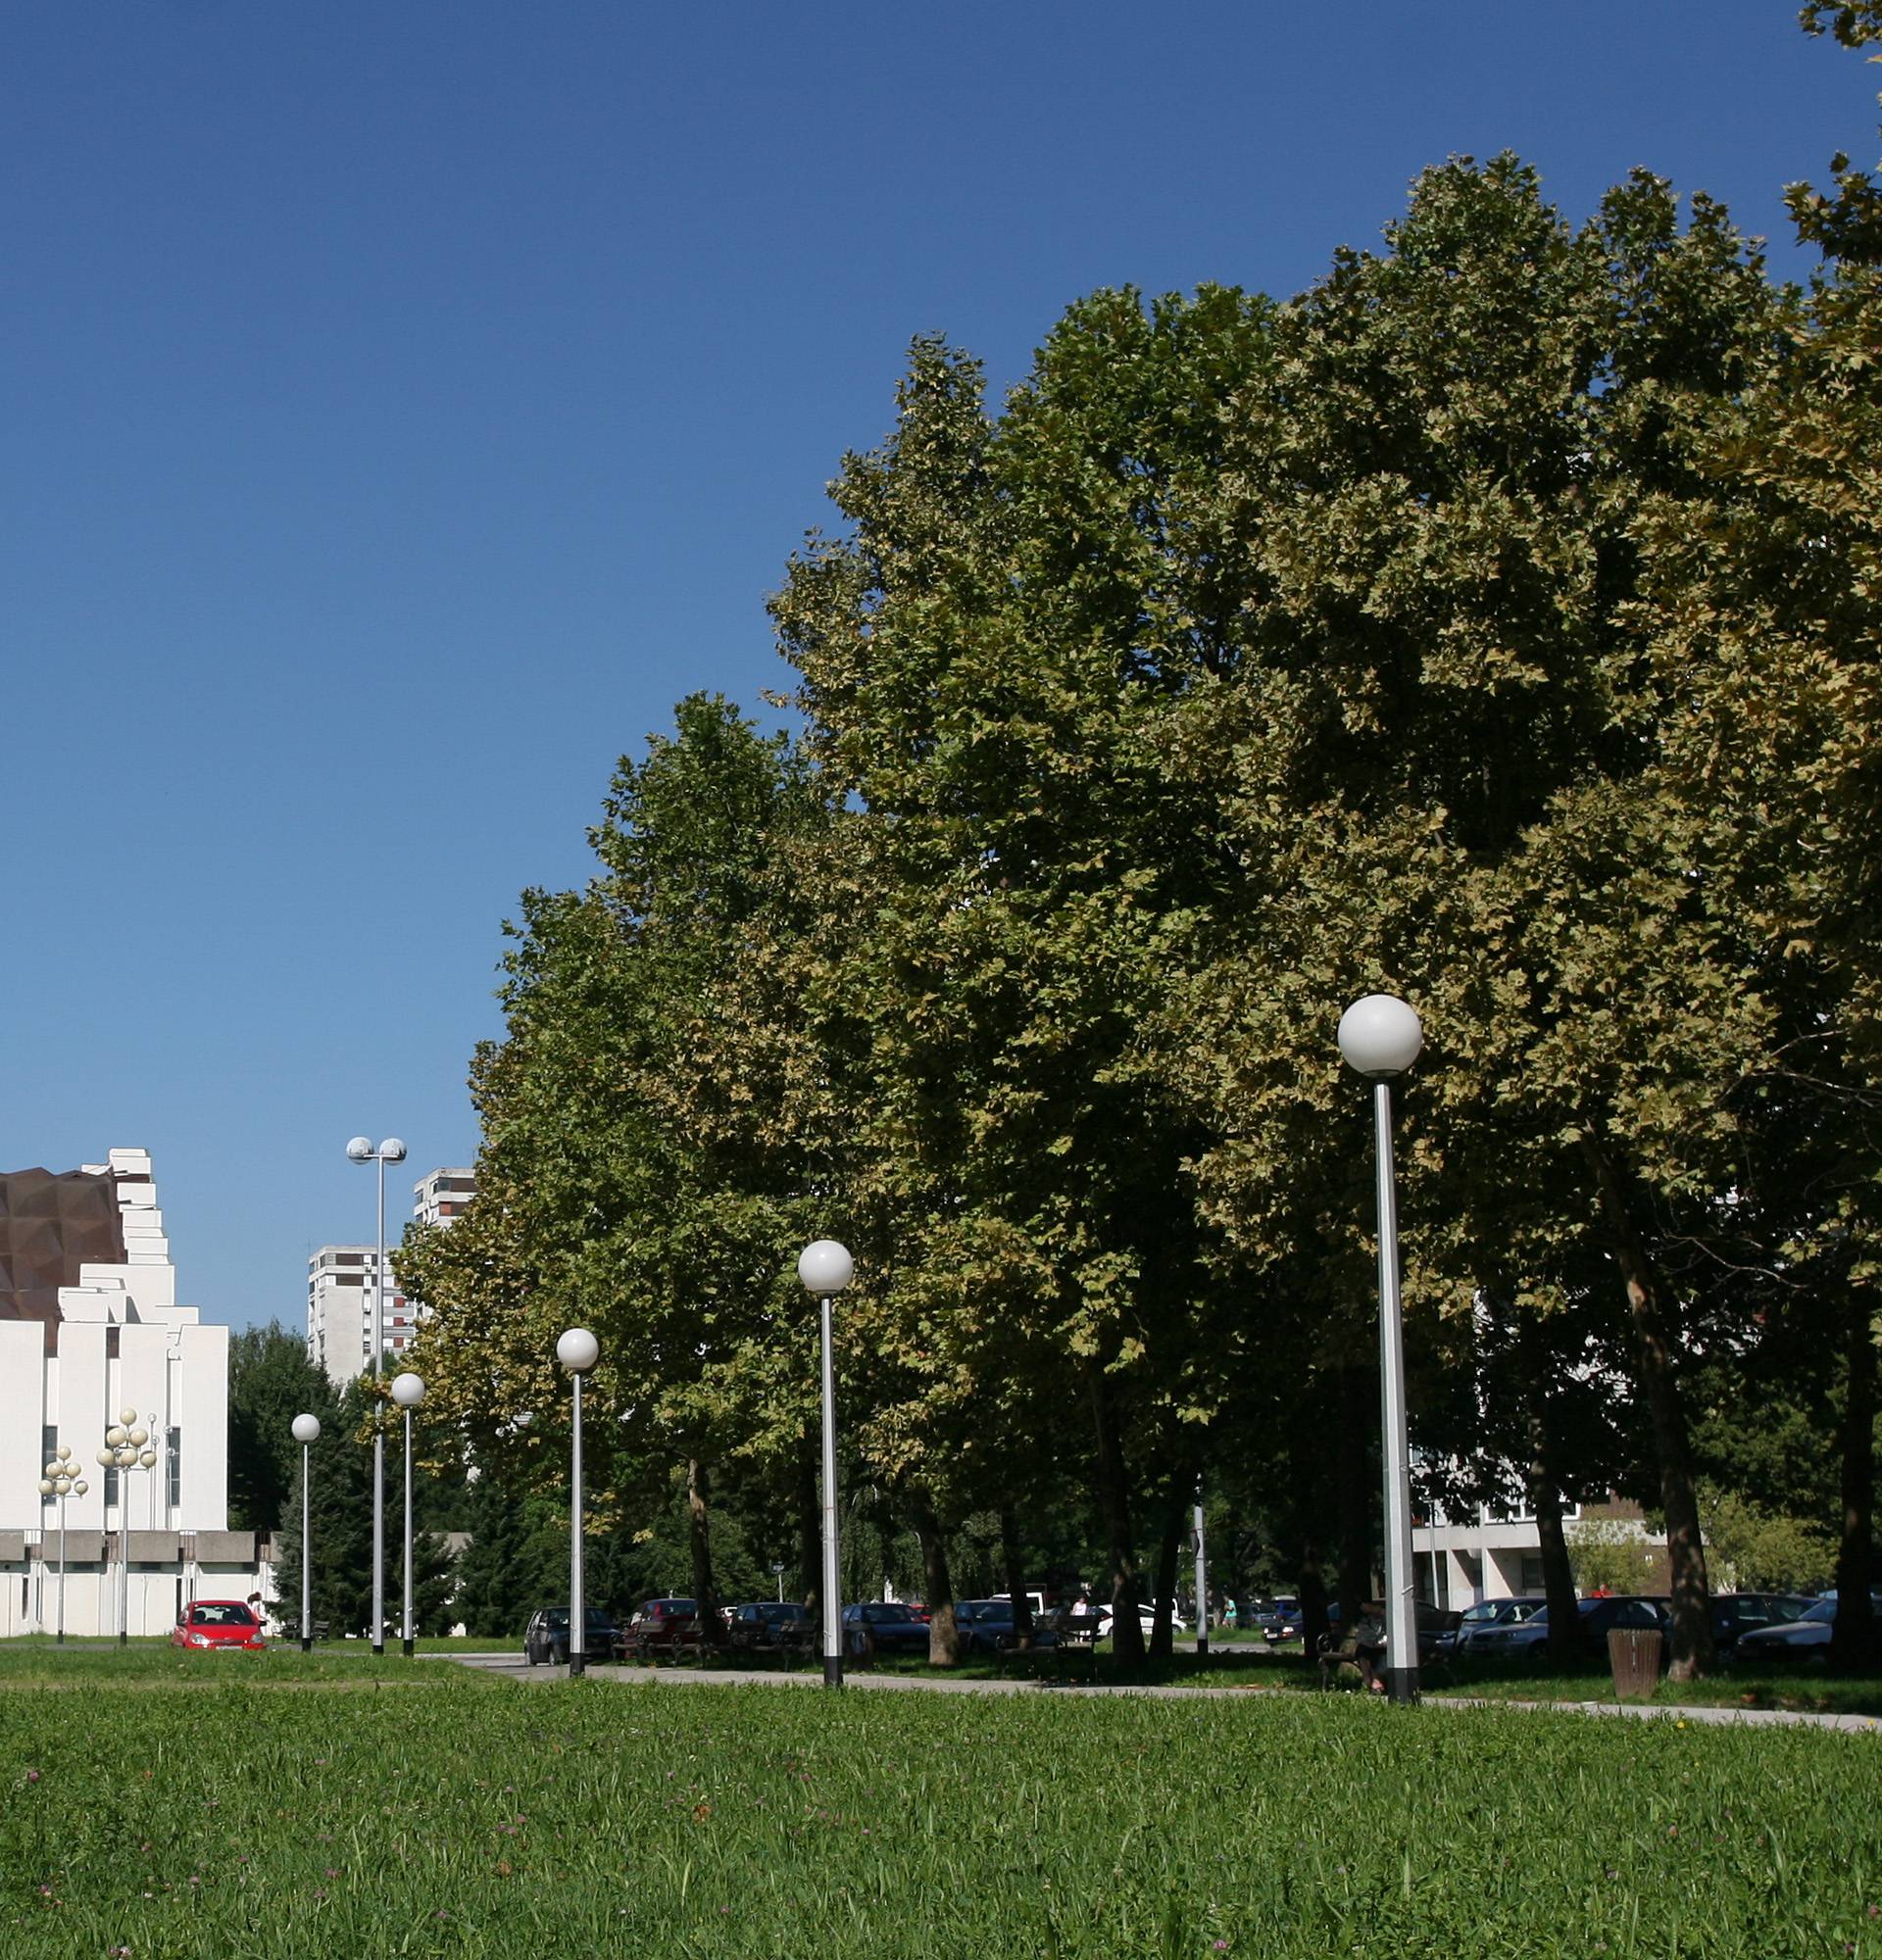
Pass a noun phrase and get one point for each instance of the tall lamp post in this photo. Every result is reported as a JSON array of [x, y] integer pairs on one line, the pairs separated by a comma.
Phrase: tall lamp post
[[62, 1479], [307, 1433], [1202, 1578], [827, 1268], [408, 1391], [126, 1448], [578, 1351], [360, 1150], [1380, 1038]]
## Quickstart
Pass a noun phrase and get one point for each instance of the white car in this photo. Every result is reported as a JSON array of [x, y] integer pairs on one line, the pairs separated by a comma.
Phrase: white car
[[1146, 1618]]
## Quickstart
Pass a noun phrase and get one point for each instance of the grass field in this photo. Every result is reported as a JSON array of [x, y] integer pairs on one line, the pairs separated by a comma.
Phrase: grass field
[[159, 1804]]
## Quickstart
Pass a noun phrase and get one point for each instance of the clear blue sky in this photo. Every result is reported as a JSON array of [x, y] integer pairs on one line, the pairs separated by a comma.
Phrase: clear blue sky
[[405, 404]]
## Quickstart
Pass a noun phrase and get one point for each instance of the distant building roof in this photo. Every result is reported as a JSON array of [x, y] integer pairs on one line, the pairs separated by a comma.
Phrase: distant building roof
[[52, 1223]]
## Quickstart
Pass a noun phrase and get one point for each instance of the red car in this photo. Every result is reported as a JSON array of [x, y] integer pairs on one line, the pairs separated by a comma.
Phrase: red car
[[217, 1623]]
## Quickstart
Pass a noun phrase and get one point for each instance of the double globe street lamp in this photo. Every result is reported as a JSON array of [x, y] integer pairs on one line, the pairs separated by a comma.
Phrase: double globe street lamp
[[825, 1269], [1380, 1038], [578, 1351]]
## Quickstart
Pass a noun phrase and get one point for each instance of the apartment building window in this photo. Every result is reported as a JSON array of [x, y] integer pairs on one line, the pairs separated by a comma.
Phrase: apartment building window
[[173, 1472], [110, 1485]]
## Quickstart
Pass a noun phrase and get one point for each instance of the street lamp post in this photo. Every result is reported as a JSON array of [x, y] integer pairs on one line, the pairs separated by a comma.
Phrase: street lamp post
[[408, 1391], [126, 1448], [577, 1352], [1380, 1038], [1202, 1578], [827, 1268], [307, 1432], [61, 1478], [360, 1150]]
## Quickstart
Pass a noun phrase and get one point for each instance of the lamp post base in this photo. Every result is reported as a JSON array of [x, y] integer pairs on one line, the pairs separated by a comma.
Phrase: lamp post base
[[832, 1670], [406, 1648], [306, 1644], [578, 1665], [1402, 1684]]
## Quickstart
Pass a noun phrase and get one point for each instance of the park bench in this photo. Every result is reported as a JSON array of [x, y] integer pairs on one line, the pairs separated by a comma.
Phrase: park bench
[[1062, 1647]]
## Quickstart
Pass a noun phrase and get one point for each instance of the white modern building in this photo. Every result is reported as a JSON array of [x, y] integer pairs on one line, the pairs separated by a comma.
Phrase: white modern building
[[89, 1328], [341, 1281]]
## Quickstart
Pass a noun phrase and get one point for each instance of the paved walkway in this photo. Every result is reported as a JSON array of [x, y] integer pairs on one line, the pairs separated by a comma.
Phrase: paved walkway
[[513, 1665]]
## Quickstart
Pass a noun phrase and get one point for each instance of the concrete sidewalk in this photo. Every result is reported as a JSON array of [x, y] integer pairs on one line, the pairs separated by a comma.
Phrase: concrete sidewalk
[[513, 1666]]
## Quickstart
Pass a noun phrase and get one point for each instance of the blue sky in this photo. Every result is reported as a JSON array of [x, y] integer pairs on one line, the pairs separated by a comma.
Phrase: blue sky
[[404, 403]]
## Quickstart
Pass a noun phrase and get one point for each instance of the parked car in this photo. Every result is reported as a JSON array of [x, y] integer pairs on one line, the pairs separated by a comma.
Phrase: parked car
[[1737, 1615], [1595, 1620], [1808, 1634], [217, 1625], [1284, 1612], [664, 1626], [767, 1622], [893, 1629], [1146, 1618], [985, 1623], [1486, 1614], [546, 1638]]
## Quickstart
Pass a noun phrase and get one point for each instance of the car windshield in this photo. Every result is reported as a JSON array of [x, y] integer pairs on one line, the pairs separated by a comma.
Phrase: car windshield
[[1819, 1611], [556, 1616], [978, 1609], [222, 1616], [1485, 1609]]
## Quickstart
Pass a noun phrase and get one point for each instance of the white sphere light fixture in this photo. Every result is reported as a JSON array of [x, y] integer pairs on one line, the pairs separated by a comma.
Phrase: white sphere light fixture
[[107, 1457], [127, 1417], [79, 1487], [359, 1149], [825, 1267], [408, 1391], [307, 1429], [45, 1486], [116, 1436], [578, 1351], [392, 1151], [1380, 1037]]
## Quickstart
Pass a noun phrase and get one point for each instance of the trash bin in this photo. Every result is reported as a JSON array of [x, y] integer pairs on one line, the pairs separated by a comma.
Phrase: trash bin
[[1633, 1652]]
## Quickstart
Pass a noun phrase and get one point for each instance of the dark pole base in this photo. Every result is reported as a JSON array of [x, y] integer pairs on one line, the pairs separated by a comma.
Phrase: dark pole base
[[578, 1665], [123, 1640], [1202, 1643], [379, 1650], [306, 1644], [406, 1648], [1402, 1684], [61, 1641], [832, 1670]]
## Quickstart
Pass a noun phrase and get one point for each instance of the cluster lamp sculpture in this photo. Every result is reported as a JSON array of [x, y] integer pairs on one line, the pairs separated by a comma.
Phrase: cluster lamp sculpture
[[825, 1269], [578, 1351], [127, 1448], [62, 1479], [408, 1391], [360, 1150], [1380, 1037]]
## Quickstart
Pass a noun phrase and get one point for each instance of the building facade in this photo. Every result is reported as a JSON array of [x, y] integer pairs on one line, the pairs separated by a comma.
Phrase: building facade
[[90, 1327], [341, 1281]]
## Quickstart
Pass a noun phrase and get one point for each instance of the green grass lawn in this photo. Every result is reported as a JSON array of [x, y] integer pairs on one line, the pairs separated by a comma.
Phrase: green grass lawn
[[173, 1805]]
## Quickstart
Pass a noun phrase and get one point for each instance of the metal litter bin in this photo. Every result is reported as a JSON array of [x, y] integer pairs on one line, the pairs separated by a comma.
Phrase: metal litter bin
[[1633, 1652]]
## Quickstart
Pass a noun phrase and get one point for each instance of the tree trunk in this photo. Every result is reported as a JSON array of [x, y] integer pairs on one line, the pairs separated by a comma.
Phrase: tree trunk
[[1649, 1308], [1113, 1499], [1545, 1497], [699, 1538], [1163, 1639], [944, 1632], [810, 1529], [1853, 1639], [1360, 1414], [1011, 1557]]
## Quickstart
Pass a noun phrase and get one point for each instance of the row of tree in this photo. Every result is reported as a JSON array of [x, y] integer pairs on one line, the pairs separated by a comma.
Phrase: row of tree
[[1495, 624]]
